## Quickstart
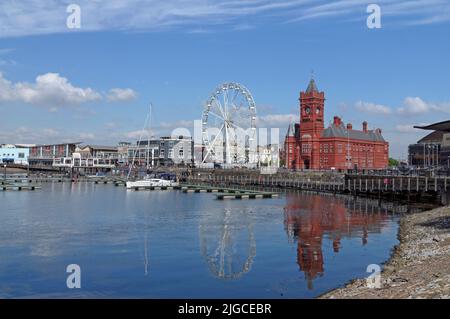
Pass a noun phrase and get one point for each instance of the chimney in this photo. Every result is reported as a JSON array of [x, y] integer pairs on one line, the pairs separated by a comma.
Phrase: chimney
[[365, 127], [349, 126], [337, 121]]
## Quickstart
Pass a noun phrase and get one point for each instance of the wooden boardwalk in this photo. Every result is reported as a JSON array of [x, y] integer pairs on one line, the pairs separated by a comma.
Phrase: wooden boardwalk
[[414, 188], [227, 192], [18, 187]]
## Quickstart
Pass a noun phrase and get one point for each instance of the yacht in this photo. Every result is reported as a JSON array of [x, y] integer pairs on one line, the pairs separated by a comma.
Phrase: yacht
[[151, 182]]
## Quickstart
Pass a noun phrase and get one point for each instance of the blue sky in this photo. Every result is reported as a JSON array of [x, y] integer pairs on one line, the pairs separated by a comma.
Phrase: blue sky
[[94, 84]]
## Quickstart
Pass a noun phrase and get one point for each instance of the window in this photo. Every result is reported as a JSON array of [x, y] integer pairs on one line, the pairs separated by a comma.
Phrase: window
[[162, 152], [306, 148], [171, 153], [21, 155], [181, 153]]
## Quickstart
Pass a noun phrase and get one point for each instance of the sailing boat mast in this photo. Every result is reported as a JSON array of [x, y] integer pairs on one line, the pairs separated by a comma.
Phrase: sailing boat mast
[[147, 120], [149, 136]]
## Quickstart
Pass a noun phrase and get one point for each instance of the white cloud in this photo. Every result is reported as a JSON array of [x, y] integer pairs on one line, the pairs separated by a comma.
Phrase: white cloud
[[409, 128], [411, 106], [120, 95], [53, 91], [49, 89], [139, 134], [277, 120], [23, 134], [415, 12], [32, 17], [111, 125], [417, 106], [372, 108], [86, 136], [414, 105], [50, 132], [176, 124]]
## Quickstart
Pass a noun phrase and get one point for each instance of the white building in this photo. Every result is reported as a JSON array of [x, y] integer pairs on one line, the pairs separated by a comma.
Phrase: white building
[[164, 151], [269, 155], [12, 154]]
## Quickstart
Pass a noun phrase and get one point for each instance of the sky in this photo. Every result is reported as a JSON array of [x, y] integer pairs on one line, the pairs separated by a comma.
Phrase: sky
[[94, 84]]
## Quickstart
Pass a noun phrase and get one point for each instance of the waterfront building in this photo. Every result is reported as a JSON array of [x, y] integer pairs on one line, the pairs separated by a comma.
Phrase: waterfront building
[[145, 153], [14, 154], [122, 152], [44, 155], [89, 157], [309, 145], [433, 150], [99, 151], [81, 161], [269, 155], [164, 151]]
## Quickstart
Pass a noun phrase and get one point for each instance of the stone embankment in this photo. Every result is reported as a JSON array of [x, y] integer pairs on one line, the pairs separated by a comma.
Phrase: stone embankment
[[419, 266]]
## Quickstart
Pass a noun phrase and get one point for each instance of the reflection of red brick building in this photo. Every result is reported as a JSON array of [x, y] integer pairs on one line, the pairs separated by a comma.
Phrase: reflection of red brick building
[[309, 145], [310, 219]]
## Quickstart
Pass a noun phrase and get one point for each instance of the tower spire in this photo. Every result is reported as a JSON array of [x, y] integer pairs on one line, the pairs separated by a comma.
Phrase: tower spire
[[291, 129], [312, 87]]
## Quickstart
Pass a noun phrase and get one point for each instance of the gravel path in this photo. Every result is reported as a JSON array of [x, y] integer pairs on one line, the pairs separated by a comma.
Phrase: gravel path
[[420, 265]]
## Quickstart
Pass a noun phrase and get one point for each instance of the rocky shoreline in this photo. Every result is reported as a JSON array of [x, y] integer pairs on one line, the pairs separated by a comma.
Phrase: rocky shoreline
[[419, 266]]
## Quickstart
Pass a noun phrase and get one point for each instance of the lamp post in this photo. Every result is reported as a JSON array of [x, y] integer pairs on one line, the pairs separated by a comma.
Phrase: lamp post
[[348, 161], [4, 175]]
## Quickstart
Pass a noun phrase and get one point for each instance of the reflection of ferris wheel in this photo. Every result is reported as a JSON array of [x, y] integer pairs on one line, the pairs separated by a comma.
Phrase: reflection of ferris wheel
[[229, 126], [228, 245]]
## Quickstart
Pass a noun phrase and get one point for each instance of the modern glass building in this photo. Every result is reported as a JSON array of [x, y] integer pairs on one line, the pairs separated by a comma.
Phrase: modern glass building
[[433, 150]]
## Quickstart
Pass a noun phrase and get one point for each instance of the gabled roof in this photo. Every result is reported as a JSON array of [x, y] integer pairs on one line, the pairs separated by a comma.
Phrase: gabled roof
[[342, 132]]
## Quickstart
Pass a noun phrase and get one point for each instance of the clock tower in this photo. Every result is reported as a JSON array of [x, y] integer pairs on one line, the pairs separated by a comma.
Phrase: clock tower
[[312, 104]]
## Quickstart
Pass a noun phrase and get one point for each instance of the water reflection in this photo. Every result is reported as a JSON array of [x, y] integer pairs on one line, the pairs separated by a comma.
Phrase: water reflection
[[227, 242], [309, 219]]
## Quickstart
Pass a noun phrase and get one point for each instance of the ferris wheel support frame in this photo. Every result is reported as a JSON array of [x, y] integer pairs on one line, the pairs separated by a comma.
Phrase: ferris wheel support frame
[[227, 110]]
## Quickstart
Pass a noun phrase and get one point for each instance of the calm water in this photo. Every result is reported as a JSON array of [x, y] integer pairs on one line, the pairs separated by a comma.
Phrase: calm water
[[167, 244]]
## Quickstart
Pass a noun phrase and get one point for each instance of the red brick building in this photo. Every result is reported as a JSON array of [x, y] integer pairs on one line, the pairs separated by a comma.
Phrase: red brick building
[[309, 145]]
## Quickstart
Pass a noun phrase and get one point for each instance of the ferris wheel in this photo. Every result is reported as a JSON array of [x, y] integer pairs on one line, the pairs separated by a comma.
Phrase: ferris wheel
[[229, 126]]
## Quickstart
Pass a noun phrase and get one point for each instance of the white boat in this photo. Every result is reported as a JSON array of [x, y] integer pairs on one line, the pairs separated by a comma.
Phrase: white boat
[[152, 182]]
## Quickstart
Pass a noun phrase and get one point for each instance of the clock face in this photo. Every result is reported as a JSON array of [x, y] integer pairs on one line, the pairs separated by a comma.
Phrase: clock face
[[308, 110]]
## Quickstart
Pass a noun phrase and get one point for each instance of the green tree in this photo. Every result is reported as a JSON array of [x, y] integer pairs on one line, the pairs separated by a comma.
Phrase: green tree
[[393, 162]]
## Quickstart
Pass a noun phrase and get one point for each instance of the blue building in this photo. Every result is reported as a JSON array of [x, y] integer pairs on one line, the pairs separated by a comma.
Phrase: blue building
[[11, 154]]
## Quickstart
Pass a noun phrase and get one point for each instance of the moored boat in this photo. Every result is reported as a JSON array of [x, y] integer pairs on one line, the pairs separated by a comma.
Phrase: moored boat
[[152, 182]]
